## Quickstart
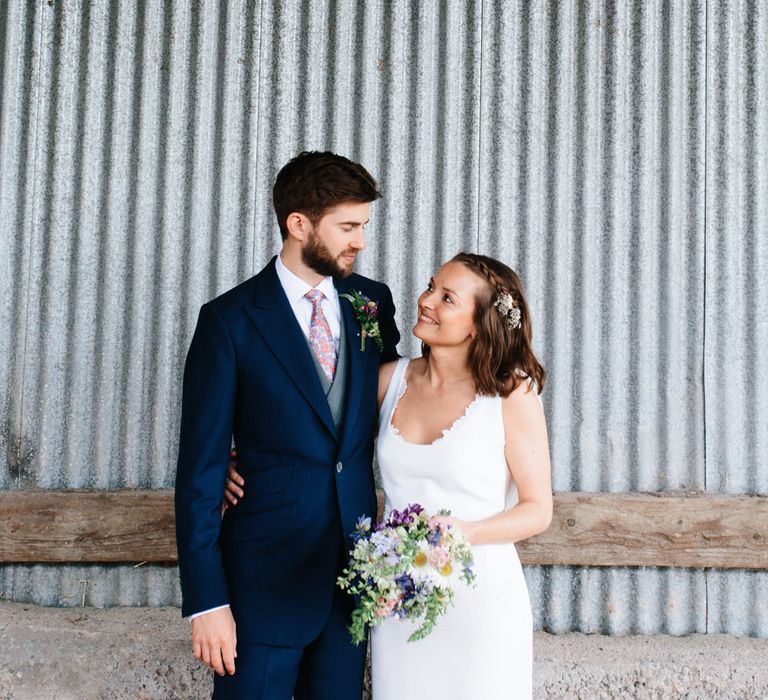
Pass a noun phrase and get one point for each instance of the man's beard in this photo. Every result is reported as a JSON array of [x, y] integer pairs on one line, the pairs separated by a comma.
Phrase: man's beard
[[316, 256]]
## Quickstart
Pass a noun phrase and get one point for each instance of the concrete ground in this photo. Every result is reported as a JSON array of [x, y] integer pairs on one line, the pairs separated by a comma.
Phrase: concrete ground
[[84, 653]]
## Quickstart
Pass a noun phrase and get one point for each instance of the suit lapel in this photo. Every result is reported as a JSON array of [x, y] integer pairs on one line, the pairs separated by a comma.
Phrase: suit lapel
[[357, 358], [273, 317]]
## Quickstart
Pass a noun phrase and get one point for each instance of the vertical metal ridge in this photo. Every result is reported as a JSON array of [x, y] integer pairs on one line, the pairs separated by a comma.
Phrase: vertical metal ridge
[[738, 603], [97, 586], [737, 244], [736, 368], [586, 219], [612, 262], [617, 601], [20, 76]]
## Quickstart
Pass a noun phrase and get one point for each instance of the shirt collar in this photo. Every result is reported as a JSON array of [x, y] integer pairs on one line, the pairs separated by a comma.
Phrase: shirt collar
[[295, 288]]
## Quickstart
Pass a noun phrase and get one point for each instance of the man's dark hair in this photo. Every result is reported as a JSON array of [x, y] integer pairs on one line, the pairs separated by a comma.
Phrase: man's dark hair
[[313, 182]]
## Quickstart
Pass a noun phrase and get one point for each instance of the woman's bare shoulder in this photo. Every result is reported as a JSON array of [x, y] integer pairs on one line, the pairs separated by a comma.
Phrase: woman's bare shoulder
[[386, 370], [522, 401]]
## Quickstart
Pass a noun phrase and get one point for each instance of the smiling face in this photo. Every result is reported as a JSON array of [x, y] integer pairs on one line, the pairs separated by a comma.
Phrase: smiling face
[[331, 246], [447, 307]]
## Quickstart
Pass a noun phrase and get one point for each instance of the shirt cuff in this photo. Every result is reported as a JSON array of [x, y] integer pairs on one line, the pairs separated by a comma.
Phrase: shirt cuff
[[203, 612]]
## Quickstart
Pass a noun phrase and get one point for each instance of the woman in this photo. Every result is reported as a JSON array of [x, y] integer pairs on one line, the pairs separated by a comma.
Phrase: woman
[[462, 428]]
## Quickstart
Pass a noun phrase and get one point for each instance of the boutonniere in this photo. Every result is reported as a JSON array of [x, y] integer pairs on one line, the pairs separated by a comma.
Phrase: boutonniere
[[367, 313]]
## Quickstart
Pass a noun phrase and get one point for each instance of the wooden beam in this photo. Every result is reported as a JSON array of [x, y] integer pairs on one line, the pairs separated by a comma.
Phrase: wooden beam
[[87, 526], [697, 530]]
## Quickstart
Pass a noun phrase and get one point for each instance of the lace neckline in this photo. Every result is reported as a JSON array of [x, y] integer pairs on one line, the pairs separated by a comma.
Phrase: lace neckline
[[446, 432]]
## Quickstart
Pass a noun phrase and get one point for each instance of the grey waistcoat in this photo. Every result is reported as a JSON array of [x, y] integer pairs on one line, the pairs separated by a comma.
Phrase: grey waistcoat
[[336, 393]]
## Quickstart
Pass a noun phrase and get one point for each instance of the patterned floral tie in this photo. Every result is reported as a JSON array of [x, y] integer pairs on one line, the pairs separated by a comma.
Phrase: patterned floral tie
[[320, 338]]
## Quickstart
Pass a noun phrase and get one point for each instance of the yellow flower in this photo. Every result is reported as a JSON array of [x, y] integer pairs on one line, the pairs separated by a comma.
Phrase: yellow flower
[[420, 559], [446, 570]]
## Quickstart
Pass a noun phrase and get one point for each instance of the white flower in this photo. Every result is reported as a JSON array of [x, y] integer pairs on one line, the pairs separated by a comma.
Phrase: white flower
[[505, 305]]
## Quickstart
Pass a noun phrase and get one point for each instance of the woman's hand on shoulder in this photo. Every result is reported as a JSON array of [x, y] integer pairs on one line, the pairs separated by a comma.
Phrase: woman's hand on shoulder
[[233, 487], [386, 370]]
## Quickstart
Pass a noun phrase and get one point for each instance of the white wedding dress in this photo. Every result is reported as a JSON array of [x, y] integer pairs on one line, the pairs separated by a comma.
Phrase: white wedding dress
[[481, 648]]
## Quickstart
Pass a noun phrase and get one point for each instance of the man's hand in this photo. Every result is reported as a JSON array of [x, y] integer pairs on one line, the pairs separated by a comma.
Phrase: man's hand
[[214, 641]]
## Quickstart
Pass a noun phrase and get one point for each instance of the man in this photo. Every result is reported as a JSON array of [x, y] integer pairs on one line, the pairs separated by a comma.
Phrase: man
[[277, 364]]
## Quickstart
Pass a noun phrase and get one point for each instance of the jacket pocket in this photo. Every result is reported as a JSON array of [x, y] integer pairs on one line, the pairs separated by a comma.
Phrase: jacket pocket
[[268, 480], [264, 523]]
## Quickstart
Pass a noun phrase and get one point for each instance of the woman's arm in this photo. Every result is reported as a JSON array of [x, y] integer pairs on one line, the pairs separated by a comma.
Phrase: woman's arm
[[527, 454], [385, 375]]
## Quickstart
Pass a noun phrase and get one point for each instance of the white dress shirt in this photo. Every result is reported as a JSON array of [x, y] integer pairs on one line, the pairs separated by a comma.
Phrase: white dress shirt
[[295, 288]]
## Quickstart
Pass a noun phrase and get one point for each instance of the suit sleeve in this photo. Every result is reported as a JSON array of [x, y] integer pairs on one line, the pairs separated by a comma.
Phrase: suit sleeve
[[206, 437], [390, 336]]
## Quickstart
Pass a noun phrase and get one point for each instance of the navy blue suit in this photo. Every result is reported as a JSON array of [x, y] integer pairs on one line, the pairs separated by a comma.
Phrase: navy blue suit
[[249, 373]]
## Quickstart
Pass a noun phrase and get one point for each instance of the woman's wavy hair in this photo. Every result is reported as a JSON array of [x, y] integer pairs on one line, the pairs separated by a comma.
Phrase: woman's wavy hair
[[500, 357]]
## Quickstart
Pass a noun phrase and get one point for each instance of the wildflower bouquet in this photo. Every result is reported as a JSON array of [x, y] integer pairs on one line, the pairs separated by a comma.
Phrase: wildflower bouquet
[[403, 568]]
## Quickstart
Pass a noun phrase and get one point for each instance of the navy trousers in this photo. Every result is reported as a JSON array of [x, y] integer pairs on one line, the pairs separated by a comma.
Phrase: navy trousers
[[331, 667]]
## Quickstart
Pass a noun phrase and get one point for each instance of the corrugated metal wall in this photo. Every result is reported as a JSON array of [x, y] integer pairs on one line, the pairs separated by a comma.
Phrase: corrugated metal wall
[[614, 153]]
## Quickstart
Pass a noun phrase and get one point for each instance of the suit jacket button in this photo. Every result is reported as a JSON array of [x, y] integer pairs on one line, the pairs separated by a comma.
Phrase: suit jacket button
[[339, 467]]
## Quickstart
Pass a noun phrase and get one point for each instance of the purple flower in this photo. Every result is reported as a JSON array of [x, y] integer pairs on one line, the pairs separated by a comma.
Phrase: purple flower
[[433, 537], [384, 543], [407, 586], [403, 517]]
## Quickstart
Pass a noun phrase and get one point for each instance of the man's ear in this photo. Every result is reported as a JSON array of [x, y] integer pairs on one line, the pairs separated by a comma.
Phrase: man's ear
[[298, 226]]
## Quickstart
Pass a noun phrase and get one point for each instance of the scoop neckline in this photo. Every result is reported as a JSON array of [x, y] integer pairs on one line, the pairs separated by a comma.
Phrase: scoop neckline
[[446, 432]]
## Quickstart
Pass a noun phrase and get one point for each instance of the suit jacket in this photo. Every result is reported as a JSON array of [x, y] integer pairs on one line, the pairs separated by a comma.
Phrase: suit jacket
[[249, 373]]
